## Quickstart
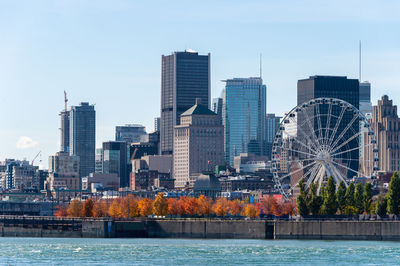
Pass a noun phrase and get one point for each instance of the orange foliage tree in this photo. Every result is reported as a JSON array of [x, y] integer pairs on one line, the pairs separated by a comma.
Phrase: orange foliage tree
[[129, 207], [160, 205], [145, 207], [115, 209], [75, 208], [234, 208], [88, 208], [204, 205], [267, 205], [251, 211], [62, 211], [221, 207], [100, 208], [191, 206], [175, 207], [289, 207]]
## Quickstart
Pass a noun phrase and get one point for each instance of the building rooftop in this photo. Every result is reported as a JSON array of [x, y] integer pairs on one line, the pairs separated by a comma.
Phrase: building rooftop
[[198, 109]]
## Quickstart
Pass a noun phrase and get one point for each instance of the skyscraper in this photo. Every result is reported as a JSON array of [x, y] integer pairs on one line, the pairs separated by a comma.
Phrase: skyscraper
[[64, 130], [115, 160], [185, 76], [333, 87], [271, 126], [83, 136], [217, 108], [157, 121], [243, 115], [130, 133], [365, 99]]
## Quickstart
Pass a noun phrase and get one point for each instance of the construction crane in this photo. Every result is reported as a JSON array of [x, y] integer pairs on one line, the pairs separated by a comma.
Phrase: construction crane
[[36, 157]]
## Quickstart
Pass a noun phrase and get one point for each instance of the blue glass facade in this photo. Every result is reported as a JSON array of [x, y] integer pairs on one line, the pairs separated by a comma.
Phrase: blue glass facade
[[244, 109]]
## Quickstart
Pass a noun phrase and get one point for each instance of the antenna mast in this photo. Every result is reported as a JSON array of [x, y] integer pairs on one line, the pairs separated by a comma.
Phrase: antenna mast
[[260, 65], [359, 63], [65, 100]]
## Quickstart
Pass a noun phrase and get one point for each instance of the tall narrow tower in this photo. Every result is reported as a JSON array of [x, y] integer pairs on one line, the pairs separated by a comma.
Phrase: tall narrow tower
[[65, 126]]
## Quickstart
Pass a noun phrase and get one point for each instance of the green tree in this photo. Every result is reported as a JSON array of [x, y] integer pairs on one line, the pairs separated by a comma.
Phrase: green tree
[[341, 196], [314, 200], [381, 206], [367, 198], [393, 196], [301, 200], [359, 198], [330, 204], [350, 201]]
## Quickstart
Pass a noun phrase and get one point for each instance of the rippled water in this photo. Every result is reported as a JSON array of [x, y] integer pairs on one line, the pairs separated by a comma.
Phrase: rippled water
[[56, 251]]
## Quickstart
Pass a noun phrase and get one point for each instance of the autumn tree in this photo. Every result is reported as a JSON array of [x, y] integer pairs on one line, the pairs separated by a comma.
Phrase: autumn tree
[[266, 204], [129, 207], [234, 208], [358, 197], [100, 208], [221, 207], [276, 208], [145, 207], [289, 207], [367, 197], [115, 209], [251, 211], [88, 208], [191, 206], [160, 205], [204, 205], [341, 196], [393, 196], [75, 208], [62, 211]]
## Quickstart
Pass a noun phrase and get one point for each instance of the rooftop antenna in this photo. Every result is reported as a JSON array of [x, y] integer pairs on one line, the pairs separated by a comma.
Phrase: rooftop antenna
[[359, 63], [65, 100], [260, 65]]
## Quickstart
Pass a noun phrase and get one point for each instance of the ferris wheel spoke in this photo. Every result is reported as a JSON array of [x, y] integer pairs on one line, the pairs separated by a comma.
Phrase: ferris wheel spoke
[[296, 171], [311, 129], [299, 128], [349, 150], [301, 143], [346, 159], [328, 122], [345, 142], [337, 125], [313, 174], [348, 168], [306, 153], [337, 174], [320, 137], [345, 130]]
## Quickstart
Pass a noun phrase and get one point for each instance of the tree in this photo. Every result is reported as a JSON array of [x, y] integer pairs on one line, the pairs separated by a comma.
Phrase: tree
[[221, 207], [75, 208], [115, 209], [145, 207], [381, 206], [359, 198], [62, 211], [204, 205], [160, 205], [350, 201], [314, 200], [100, 208], [330, 204], [393, 196], [129, 207], [367, 197], [301, 200], [234, 208], [191, 206], [88, 208], [341, 196], [289, 207], [267, 204], [251, 211]]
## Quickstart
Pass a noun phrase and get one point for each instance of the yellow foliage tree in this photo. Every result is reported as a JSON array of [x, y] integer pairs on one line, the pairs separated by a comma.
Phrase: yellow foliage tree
[[221, 207], [75, 208], [145, 207], [100, 208], [115, 210], [251, 211], [160, 205], [129, 207], [204, 205]]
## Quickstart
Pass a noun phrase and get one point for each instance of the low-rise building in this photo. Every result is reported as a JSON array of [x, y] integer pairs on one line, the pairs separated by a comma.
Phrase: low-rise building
[[106, 181]]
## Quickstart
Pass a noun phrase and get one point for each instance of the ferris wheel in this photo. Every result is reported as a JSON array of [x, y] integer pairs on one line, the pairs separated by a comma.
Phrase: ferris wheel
[[320, 138]]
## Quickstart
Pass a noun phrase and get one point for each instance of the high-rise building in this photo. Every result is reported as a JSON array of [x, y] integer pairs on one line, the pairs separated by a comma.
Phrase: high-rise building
[[115, 160], [99, 161], [157, 123], [365, 99], [83, 136], [243, 115], [216, 107], [185, 76], [271, 126], [130, 133], [340, 88], [198, 144], [385, 123], [65, 131]]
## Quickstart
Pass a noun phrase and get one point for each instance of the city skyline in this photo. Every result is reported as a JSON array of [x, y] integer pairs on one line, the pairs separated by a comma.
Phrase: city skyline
[[36, 70]]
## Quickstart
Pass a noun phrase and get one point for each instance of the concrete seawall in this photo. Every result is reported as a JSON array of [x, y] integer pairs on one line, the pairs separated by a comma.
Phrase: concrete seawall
[[12, 226]]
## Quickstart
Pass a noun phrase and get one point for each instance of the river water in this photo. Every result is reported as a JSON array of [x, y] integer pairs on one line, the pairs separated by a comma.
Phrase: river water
[[81, 251]]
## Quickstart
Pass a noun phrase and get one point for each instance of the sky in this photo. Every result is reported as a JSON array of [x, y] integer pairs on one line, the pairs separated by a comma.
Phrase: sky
[[108, 53]]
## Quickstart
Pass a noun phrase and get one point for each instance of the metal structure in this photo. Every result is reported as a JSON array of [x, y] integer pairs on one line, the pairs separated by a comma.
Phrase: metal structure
[[313, 143]]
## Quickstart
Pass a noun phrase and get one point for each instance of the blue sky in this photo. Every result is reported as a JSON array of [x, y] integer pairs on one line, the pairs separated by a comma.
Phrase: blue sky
[[109, 53]]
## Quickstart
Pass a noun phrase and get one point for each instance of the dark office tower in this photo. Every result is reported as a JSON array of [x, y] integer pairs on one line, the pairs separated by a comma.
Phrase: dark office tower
[[83, 136], [185, 76], [115, 160], [64, 131], [333, 87], [217, 108], [365, 99], [271, 126]]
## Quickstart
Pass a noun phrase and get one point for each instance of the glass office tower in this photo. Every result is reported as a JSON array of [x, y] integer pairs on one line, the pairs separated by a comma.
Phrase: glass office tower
[[243, 115]]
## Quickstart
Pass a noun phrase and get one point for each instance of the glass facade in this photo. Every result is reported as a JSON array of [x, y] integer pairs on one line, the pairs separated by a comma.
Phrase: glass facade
[[130, 133], [217, 108], [185, 76], [271, 126], [115, 160], [243, 114]]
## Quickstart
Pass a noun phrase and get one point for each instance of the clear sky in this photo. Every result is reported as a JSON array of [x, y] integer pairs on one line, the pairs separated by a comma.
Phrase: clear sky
[[109, 53]]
